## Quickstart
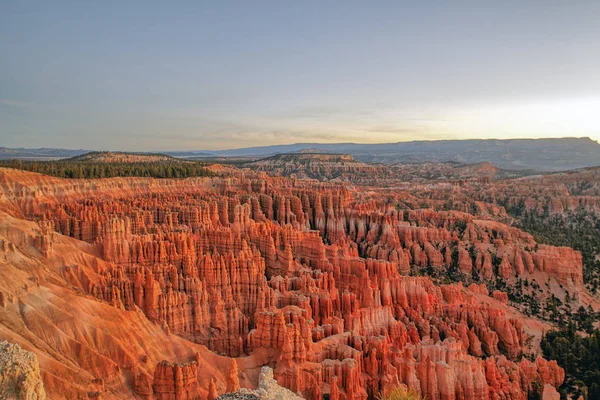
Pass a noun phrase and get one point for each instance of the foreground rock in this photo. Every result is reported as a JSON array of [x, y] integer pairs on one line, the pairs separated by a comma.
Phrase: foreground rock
[[19, 374], [238, 396], [268, 389]]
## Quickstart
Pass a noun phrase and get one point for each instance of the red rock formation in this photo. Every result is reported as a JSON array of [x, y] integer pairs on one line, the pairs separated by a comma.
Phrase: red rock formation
[[212, 390], [233, 382], [308, 277], [176, 381]]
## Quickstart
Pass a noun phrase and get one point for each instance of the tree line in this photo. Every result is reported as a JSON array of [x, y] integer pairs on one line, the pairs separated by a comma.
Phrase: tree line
[[94, 170]]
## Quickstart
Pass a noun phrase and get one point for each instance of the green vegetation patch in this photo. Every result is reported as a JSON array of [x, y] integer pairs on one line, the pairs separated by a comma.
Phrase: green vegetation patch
[[74, 169]]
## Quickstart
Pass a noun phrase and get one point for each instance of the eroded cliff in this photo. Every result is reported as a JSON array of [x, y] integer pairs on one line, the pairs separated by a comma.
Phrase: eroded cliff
[[310, 278]]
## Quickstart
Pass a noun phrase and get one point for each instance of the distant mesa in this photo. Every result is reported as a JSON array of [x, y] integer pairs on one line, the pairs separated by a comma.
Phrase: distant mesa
[[310, 150], [121, 157], [309, 156]]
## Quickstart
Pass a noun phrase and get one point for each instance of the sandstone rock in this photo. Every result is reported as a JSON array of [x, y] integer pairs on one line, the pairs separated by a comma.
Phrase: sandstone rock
[[20, 377], [268, 389], [233, 382], [176, 381], [308, 277], [550, 393]]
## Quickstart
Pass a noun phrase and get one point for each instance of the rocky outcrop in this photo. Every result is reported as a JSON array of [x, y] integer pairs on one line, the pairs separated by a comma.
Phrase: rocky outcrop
[[20, 377], [238, 396], [268, 389], [550, 393], [176, 381]]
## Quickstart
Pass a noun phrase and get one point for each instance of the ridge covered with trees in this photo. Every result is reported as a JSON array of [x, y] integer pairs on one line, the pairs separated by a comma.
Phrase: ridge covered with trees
[[109, 165]]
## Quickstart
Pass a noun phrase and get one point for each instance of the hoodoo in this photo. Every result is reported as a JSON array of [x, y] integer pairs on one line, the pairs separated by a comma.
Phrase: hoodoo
[[183, 289]]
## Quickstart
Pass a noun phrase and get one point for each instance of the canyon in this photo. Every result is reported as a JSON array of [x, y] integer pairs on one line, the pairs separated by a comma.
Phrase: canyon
[[187, 288]]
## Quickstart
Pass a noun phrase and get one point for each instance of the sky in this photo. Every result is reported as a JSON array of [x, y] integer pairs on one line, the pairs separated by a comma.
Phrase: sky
[[148, 75]]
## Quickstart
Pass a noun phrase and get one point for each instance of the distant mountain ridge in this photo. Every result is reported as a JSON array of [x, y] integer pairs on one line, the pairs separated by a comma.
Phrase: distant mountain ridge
[[39, 153], [540, 154]]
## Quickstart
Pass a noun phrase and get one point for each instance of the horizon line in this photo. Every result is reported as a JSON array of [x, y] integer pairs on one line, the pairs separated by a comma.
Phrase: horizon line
[[306, 143]]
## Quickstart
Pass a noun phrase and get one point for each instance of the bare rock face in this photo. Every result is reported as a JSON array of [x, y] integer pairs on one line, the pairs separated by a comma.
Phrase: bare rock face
[[550, 393], [19, 374], [176, 381], [268, 389]]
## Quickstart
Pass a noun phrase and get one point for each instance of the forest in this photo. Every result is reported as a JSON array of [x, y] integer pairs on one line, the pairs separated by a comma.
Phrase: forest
[[579, 355], [575, 345], [74, 169]]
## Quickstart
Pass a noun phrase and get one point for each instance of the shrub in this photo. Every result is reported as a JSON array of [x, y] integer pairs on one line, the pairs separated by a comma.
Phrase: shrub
[[401, 393]]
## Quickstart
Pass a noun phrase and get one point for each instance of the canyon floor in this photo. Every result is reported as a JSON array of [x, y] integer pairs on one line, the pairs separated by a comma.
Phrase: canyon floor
[[348, 285]]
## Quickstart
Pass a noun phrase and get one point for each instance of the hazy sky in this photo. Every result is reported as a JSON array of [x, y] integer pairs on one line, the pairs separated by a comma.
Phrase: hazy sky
[[146, 75]]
